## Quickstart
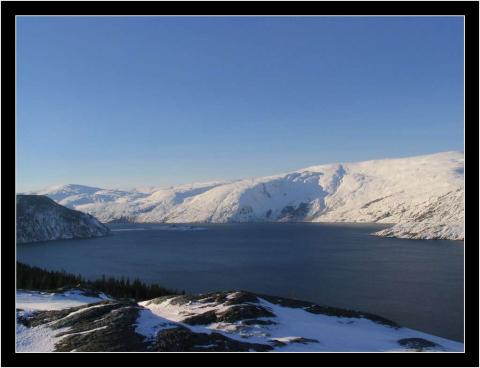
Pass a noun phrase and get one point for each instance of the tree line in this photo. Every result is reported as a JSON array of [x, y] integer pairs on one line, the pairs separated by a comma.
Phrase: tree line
[[35, 278]]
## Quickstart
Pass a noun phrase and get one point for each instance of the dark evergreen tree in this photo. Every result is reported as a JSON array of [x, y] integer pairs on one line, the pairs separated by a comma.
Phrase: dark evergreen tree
[[35, 278]]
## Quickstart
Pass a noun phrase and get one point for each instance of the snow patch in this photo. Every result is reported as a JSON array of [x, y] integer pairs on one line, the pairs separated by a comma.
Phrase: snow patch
[[149, 324], [37, 300]]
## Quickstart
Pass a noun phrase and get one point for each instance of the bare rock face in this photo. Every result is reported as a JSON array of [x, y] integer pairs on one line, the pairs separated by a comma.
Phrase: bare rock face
[[183, 339], [419, 344], [40, 219]]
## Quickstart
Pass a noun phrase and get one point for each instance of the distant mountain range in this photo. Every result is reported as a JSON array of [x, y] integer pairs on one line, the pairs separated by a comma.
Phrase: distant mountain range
[[40, 219], [422, 196]]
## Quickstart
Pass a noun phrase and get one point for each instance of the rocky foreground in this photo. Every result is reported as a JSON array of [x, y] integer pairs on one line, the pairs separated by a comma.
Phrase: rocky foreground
[[40, 219], [79, 320]]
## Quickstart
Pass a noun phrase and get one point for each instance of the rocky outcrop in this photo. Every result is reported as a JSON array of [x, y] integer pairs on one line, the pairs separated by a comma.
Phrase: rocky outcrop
[[441, 218], [222, 321], [40, 219]]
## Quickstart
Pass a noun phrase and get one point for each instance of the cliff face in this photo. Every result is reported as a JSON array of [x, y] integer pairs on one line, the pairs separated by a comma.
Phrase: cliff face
[[40, 219]]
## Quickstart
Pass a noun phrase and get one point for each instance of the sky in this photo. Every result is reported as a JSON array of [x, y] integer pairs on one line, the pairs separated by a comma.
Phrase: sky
[[120, 102]]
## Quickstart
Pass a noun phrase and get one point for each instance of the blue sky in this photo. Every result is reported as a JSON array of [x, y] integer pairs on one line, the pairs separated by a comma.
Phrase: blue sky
[[128, 101]]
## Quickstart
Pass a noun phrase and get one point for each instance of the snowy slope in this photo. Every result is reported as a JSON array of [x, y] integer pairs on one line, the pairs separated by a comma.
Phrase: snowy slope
[[289, 325], [42, 338], [223, 321], [139, 205], [29, 301], [39, 218], [423, 194], [73, 195], [440, 218]]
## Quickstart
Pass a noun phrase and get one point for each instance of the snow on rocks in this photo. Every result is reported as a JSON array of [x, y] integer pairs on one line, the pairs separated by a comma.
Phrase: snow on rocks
[[28, 300], [288, 325], [439, 218], [222, 321], [149, 324], [35, 339], [39, 218], [42, 338], [424, 230]]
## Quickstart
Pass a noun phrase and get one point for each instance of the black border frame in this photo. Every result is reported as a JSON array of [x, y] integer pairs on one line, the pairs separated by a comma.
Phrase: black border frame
[[469, 9]]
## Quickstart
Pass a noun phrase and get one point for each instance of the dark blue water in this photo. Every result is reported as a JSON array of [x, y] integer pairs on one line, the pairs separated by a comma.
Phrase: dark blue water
[[417, 283]]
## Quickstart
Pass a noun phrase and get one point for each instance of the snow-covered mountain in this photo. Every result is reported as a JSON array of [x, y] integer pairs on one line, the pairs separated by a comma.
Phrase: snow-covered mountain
[[74, 195], [40, 219], [422, 195]]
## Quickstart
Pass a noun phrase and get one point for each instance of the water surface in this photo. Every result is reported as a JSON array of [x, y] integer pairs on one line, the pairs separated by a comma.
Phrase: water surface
[[417, 283]]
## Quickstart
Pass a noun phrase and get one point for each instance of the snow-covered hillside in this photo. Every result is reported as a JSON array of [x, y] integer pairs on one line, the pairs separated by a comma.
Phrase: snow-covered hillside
[[43, 338], [74, 195], [39, 219], [222, 321], [424, 195]]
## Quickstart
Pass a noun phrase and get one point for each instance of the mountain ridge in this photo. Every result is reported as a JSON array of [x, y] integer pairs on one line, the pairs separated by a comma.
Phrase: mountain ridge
[[417, 193]]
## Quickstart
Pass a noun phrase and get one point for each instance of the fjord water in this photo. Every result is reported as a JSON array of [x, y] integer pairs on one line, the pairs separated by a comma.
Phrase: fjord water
[[416, 283]]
